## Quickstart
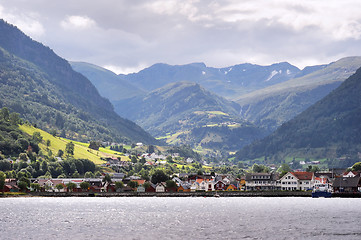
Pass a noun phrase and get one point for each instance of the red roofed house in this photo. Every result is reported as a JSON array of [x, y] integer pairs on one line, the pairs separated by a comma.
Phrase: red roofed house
[[298, 181]]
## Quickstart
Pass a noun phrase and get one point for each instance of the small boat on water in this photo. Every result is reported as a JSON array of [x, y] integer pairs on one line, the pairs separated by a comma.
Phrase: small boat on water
[[322, 190]]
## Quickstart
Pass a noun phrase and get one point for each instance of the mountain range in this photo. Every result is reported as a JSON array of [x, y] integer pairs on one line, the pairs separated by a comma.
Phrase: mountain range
[[271, 106], [46, 91], [329, 128], [263, 97]]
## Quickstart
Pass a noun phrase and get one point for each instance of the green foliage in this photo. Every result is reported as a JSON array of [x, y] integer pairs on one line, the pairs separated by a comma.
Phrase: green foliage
[[133, 184], [23, 185], [46, 91], [37, 138], [256, 168], [170, 184], [69, 149], [35, 186], [2, 180], [71, 186], [119, 185], [12, 140], [159, 176], [107, 179], [356, 167], [329, 128], [59, 186], [94, 145], [84, 185]]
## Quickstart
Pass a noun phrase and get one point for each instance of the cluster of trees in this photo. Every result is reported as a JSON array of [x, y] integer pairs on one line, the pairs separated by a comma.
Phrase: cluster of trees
[[12, 140], [41, 168]]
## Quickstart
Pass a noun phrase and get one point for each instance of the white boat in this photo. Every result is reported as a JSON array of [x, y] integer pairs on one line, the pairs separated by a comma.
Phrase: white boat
[[322, 190]]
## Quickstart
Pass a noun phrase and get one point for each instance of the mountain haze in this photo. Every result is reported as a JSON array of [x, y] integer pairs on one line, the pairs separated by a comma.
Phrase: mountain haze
[[108, 83], [229, 82]]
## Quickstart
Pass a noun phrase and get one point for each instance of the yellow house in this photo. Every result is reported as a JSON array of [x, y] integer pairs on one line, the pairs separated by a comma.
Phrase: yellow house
[[183, 189], [231, 187]]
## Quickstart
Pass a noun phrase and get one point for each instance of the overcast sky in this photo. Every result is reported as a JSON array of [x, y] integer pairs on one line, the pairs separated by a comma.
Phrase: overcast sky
[[129, 35]]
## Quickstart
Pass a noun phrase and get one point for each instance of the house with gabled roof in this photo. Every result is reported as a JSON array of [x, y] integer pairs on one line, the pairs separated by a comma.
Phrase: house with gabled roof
[[220, 186], [297, 181], [351, 174], [184, 188], [195, 186], [160, 187], [231, 187], [347, 184]]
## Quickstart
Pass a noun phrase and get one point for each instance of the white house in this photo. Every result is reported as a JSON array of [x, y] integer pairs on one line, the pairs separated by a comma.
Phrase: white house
[[160, 187], [297, 181], [194, 186]]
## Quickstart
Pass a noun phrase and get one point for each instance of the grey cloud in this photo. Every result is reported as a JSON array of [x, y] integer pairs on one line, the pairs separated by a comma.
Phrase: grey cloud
[[129, 34]]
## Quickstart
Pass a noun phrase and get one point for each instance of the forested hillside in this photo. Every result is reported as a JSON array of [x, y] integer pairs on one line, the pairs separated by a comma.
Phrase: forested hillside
[[45, 90], [271, 106], [329, 128], [186, 113]]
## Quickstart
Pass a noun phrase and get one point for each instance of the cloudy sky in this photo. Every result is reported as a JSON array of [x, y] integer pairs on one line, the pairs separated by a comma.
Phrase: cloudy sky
[[129, 35]]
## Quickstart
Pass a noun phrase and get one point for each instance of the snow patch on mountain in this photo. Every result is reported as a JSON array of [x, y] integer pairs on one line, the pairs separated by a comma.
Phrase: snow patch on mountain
[[273, 73]]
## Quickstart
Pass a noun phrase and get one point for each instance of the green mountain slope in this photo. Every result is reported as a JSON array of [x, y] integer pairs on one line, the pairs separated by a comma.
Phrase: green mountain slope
[[186, 113], [270, 107], [329, 128], [46, 91]]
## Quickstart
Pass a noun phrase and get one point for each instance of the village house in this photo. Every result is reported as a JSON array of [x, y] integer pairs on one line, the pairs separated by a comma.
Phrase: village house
[[347, 184], [220, 186], [297, 181], [160, 187], [261, 181]]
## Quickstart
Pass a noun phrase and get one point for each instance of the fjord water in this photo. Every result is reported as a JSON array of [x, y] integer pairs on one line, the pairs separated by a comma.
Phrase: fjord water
[[179, 218]]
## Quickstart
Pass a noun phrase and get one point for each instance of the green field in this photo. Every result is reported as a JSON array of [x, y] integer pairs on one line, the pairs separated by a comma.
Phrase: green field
[[81, 150]]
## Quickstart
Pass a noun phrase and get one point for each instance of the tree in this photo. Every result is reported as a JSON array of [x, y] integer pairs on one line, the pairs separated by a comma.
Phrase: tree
[[48, 143], [60, 153], [4, 114], [23, 156], [88, 175], [133, 184], [53, 132], [159, 176], [2, 181], [134, 159], [119, 185], [283, 169], [71, 186], [146, 185], [170, 184], [76, 174], [23, 185], [35, 186], [69, 149], [37, 138], [59, 186], [169, 159], [84, 185], [94, 145], [356, 166], [107, 179], [14, 118]]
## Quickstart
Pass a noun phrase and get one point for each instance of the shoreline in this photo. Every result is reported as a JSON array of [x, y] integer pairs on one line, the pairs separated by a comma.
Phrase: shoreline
[[176, 194]]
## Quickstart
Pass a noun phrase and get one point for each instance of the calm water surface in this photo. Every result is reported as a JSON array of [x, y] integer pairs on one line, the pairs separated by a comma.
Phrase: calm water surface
[[179, 218]]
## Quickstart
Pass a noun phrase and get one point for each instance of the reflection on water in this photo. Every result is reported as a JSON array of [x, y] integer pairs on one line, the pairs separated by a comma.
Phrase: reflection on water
[[179, 218]]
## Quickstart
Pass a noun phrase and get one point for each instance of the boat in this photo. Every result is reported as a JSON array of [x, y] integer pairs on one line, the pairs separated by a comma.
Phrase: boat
[[322, 190]]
